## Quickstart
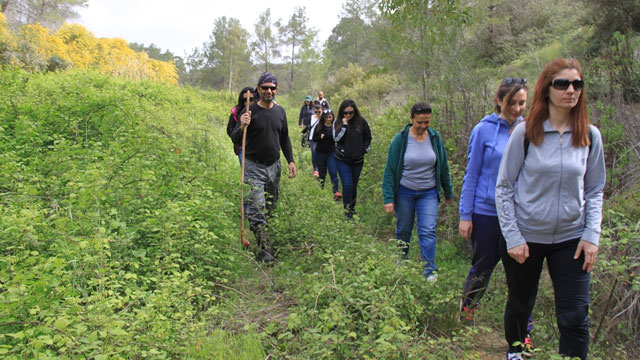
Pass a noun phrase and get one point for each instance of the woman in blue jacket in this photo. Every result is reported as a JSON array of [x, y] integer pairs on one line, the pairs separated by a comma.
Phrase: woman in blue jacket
[[549, 204], [416, 170], [478, 217]]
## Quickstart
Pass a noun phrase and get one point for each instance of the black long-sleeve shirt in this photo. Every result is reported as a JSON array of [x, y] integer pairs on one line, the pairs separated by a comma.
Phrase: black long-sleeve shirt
[[351, 144], [266, 135], [305, 114], [324, 144], [233, 120]]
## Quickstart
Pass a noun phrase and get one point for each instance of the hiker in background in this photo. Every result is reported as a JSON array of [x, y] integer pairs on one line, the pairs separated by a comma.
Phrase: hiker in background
[[325, 152], [267, 134], [234, 116], [416, 171], [353, 138], [549, 204], [322, 101], [478, 217], [304, 119], [315, 120]]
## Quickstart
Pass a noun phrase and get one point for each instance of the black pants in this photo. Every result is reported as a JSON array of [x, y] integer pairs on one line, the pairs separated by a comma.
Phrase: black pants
[[571, 288]]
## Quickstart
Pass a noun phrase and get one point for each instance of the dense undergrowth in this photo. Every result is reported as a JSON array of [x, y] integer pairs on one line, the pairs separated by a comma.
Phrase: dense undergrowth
[[119, 239]]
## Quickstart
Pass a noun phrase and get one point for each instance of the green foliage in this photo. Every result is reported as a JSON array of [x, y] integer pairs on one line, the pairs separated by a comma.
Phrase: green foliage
[[115, 225], [297, 38], [617, 285], [616, 70], [368, 90], [118, 218], [223, 61], [611, 16], [265, 47]]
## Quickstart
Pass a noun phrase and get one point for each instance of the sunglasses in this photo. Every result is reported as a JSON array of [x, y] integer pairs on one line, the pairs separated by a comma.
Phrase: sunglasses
[[348, 112], [563, 84], [514, 80], [250, 99], [422, 111], [265, 88]]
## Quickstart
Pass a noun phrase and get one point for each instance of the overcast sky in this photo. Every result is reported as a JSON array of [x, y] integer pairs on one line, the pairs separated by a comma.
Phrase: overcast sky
[[180, 26]]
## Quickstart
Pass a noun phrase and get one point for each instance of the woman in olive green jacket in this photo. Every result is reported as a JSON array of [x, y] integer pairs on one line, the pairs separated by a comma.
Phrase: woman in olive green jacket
[[416, 171]]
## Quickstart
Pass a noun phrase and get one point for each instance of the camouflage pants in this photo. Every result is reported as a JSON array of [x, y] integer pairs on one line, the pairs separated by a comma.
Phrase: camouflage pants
[[264, 182]]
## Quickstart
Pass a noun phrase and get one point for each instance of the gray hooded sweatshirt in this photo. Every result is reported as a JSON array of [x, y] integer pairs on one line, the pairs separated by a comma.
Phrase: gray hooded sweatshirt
[[555, 193]]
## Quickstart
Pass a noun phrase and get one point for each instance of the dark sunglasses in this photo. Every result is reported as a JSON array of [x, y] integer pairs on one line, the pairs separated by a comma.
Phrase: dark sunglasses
[[514, 80], [563, 84], [348, 112], [250, 99], [422, 111], [265, 88]]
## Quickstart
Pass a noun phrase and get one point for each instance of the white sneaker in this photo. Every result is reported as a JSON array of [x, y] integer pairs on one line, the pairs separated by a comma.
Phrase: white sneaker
[[514, 356], [432, 278]]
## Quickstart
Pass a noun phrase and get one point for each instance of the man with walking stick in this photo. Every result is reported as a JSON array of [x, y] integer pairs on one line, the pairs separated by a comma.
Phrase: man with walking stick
[[267, 133]]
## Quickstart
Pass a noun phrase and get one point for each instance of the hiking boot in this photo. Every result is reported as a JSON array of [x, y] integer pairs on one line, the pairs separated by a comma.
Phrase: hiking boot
[[337, 196], [528, 348], [265, 250], [349, 214], [514, 356], [466, 315], [432, 278]]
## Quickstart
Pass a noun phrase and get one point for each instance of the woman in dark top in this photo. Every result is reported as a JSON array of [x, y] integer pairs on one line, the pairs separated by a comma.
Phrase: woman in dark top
[[353, 139], [235, 115], [325, 152], [304, 119]]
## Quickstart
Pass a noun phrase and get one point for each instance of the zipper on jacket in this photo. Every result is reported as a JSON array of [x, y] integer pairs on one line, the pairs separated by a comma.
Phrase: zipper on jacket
[[555, 230]]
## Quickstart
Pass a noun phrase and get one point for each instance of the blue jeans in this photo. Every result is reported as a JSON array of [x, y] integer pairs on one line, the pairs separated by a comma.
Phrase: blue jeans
[[349, 176], [423, 205], [312, 146], [327, 161]]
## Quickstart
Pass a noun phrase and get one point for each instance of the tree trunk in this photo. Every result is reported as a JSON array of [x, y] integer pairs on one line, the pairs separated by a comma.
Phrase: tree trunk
[[266, 57], [293, 51], [4, 5], [424, 83], [230, 71], [423, 54]]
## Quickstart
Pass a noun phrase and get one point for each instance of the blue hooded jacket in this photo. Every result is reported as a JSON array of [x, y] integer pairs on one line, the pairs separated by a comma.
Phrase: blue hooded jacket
[[486, 146]]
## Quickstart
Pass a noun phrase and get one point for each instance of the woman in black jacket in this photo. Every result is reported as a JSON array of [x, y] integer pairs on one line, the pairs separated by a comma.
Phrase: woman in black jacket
[[325, 151], [235, 115], [353, 138]]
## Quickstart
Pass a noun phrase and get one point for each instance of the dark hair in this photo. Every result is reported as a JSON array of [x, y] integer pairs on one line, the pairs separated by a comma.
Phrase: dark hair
[[539, 111], [507, 90], [321, 124], [241, 104], [356, 119], [420, 108]]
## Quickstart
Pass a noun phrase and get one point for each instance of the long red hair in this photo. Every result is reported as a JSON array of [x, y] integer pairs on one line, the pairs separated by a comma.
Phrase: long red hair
[[539, 111]]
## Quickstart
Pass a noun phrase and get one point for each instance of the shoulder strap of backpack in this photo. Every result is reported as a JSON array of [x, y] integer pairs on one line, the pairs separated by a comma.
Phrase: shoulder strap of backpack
[[234, 112]]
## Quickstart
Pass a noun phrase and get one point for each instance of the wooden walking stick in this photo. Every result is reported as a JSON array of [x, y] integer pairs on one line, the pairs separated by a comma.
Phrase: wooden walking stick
[[244, 241]]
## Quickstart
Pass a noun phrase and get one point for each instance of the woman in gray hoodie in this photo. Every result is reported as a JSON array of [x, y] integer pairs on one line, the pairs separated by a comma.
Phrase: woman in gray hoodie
[[549, 204]]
